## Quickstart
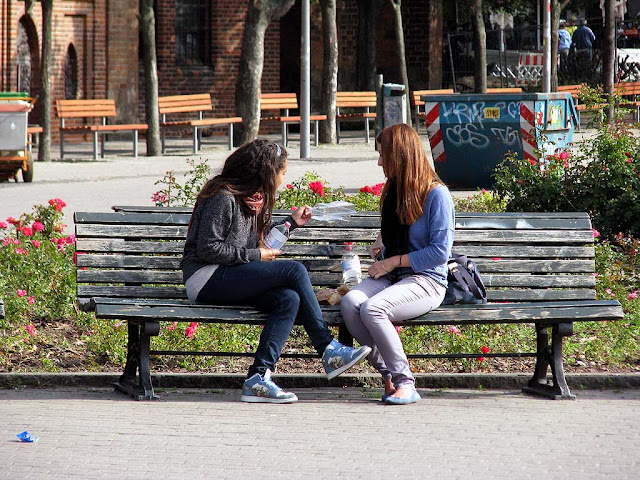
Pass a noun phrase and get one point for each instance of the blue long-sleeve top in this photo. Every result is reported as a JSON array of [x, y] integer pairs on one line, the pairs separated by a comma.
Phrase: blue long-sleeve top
[[431, 236]]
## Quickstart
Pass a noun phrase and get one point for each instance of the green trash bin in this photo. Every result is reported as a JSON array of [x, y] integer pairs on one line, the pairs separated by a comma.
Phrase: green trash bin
[[469, 135]]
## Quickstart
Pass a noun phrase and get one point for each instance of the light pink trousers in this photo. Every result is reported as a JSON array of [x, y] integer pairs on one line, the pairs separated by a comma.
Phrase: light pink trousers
[[370, 308]]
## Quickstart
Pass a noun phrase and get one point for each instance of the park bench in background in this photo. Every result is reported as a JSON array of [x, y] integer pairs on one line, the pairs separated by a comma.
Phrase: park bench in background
[[185, 104], [358, 107], [504, 90], [418, 104], [538, 269], [282, 104], [80, 111], [629, 91]]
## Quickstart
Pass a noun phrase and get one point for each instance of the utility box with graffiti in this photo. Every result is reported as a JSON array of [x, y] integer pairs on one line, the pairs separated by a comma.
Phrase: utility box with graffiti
[[470, 134]]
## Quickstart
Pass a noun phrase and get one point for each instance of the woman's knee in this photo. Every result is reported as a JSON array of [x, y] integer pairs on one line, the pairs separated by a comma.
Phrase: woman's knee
[[350, 304], [373, 310], [287, 300]]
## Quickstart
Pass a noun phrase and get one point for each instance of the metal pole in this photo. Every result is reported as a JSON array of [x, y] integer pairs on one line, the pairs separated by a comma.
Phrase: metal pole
[[503, 67], [453, 68], [538, 24], [546, 48], [305, 81]]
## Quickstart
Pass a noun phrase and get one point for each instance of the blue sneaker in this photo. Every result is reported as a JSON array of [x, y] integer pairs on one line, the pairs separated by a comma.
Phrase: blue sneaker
[[338, 358], [261, 389]]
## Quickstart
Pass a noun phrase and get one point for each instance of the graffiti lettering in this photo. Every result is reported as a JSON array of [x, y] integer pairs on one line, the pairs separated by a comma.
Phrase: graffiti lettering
[[468, 134], [506, 135]]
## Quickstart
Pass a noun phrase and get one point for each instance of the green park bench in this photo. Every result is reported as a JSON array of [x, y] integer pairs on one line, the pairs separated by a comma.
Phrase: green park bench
[[538, 269]]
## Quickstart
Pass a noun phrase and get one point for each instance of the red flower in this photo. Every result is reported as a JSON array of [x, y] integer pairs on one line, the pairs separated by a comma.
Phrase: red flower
[[367, 189], [190, 331], [563, 155], [30, 329], [13, 221], [377, 188], [317, 188], [481, 359], [57, 203], [520, 181], [484, 349], [35, 243], [4, 224], [532, 161], [497, 259], [289, 186], [37, 226], [596, 233], [21, 293], [27, 231]]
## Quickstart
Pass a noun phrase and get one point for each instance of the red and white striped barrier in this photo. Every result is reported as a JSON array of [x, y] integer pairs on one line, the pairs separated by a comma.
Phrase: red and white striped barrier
[[527, 130], [433, 130]]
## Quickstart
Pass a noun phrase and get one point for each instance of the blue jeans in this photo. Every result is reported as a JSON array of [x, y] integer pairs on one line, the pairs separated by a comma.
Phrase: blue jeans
[[281, 289]]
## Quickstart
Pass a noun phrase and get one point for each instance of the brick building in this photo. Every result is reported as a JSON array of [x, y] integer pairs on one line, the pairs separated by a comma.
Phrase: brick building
[[96, 50]]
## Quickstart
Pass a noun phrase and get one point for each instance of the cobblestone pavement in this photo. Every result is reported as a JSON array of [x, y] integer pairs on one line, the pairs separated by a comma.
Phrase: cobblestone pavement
[[330, 433]]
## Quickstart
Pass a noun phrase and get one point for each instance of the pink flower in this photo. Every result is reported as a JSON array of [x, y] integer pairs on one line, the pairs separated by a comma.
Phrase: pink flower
[[27, 231], [35, 243], [57, 203], [30, 329], [191, 329], [13, 221], [172, 326], [398, 329], [31, 300], [596, 233], [484, 349], [37, 226], [480, 359], [289, 186], [4, 225], [454, 330], [483, 191], [632, 295], [294, 208], [70, 239], [497, 259], [563, 155], [21, 251], [317, 187], [21, 293], [88, 333]]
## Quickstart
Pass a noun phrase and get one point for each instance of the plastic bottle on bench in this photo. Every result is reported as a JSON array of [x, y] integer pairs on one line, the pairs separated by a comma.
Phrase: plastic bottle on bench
[[278, 236], [351, 270]]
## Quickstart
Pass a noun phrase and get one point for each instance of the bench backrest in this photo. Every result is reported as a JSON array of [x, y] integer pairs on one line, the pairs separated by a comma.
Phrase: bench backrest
[[278, 101], [522, 257], [356, 99], [86, 108], [627, 88], [505, 90], [416, 94], [184, 103]]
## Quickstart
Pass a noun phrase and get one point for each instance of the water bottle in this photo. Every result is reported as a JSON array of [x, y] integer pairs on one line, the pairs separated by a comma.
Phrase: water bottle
[[278, 236], [351, 270]]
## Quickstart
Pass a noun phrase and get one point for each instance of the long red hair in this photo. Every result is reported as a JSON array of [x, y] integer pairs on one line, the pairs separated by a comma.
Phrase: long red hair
[[405, 163]]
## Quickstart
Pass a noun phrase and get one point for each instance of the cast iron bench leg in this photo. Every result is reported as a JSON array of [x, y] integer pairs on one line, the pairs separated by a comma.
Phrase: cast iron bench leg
[[550, 356], [138, 347]]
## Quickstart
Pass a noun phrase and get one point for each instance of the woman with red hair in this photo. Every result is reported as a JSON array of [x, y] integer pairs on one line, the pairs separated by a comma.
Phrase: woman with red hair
[[409, 277]]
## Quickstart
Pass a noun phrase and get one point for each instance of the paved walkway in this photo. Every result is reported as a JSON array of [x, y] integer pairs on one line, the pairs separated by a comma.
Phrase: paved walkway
[[330, 433]]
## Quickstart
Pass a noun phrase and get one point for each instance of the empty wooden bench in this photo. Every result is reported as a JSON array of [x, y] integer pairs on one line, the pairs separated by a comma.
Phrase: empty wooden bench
[[355, 106], [82, 111], [181, 106], [418, 104], [276, 107], [538, 269]]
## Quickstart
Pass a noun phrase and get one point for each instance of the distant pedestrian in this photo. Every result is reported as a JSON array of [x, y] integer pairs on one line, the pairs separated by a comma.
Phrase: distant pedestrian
[[583, 38], [564, 41]]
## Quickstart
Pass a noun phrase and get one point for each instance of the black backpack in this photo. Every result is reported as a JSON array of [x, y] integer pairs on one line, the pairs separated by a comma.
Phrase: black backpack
[[465, 284]]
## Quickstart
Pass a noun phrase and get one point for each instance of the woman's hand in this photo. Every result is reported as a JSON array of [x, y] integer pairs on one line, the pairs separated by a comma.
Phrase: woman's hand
[[302, 215], [376, 247], [383, 267], [268, 254]]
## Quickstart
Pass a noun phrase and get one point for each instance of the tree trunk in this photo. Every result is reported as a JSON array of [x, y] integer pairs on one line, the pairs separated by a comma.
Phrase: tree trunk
[[367, 18], [609, 53], [434, 65], [479, 47], [152, 116], [259, 14], [329, 70], [397, 7], [44, 147]]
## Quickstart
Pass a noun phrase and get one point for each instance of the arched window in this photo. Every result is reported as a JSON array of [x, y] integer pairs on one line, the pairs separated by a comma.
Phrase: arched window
[[71, 73], [27, 59], [193, 32]]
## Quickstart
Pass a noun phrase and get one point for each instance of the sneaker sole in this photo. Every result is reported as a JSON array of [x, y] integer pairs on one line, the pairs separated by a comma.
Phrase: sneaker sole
[[346, 367], [254, 399]]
